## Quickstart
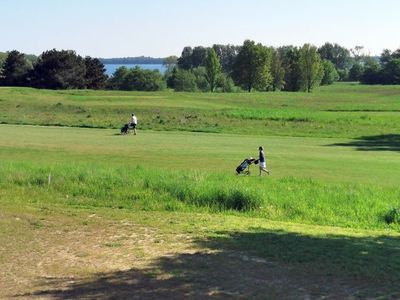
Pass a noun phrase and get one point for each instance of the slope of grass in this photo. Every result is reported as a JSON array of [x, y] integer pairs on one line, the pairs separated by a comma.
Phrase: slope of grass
[[340, 110]]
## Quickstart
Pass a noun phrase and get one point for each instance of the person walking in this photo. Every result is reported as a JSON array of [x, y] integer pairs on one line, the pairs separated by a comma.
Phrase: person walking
[[261, 161], [133, 123]]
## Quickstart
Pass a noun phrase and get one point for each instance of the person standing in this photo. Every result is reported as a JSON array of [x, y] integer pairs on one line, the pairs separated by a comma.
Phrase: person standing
[[133, 123], [261, 161]]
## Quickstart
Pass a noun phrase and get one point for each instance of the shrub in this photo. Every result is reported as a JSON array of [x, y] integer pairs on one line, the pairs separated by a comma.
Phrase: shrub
[[136, 79], [225, 84], [185, 81], [392, 216]]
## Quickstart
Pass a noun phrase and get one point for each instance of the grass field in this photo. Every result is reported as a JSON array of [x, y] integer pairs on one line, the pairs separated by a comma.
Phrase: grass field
[[341, 110], [162, 215]]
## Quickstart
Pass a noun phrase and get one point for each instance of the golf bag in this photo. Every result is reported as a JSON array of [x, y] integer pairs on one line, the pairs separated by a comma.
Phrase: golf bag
[[244, 167], [125, 129]]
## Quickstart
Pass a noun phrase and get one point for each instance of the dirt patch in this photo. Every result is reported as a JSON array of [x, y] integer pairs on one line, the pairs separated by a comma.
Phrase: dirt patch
[[92, 257]]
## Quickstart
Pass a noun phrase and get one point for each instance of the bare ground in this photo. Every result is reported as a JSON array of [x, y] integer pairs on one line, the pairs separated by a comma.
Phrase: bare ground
[[87, 256]]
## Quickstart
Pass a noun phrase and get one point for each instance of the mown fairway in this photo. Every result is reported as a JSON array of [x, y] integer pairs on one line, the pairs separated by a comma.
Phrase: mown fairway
[[162, 215]]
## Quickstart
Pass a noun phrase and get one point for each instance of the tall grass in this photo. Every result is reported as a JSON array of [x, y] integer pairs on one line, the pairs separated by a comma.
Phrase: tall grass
[[285, 199]]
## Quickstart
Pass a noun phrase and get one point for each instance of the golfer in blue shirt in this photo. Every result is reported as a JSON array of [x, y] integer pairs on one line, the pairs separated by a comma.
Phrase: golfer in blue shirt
[[261, 161]]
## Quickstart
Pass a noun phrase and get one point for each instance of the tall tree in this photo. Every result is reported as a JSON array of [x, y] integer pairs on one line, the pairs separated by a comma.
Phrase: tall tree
[[117, 80], [60, 70], [311, 69], [227, 56], [171, 77], [213, 68], [358, 53], [372, 72], [252, 66], [3, 57], [95, 73], [338, 55], [185, 60], [15, 69], [290, 62], [277, 71], [199, 56], [356, 72], [391, 72], [170, 62]]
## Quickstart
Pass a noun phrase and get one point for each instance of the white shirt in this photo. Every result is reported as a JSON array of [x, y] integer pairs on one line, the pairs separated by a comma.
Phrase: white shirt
[[134, 120]]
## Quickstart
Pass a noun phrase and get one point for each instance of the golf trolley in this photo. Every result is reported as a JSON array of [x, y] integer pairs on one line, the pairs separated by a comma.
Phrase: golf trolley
[[244, 167]]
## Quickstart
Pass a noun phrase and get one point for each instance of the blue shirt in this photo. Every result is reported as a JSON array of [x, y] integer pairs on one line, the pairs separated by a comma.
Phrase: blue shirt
[[262, 158]]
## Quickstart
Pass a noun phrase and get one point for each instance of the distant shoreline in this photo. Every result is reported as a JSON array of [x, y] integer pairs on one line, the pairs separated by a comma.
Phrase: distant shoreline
[[142, 60]]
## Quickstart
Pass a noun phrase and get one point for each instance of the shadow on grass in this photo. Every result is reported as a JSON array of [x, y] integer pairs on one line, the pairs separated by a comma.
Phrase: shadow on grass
[[259, 264], [385, 142]]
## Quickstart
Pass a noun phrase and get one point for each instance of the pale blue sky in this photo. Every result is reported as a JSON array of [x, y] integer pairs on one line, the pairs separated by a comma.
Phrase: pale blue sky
[[116, 28]]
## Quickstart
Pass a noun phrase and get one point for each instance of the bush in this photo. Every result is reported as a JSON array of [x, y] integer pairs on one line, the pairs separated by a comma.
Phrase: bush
[[137, 79], [225, 84], [185, 81], [392, 216], [201, 81], [330, 73]]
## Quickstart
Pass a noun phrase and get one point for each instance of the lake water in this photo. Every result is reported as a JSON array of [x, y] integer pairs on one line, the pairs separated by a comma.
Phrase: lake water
[[110, 68]]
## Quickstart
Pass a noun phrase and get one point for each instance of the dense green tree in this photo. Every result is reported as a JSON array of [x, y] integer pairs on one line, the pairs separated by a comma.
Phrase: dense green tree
[[199, 56], [277, 71], [171, 77], [200, 74], [252, 67], [330, 73], [15, 69], [185, 81], [391, 72], [116, 81], [356, 72], [213, 68], [185, 60], [386, 72], [227, 56], [372, 72], [311, 69], [170, 62], [95, 73], [338, 55], [136, 79], [59, 70], [290, 62]]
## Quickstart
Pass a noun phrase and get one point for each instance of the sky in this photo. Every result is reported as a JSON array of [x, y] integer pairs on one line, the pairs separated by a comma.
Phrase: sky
[[159, 28]]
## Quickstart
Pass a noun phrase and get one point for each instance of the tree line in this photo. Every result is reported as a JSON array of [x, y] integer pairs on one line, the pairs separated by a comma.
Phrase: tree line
[[53, 69], [289, 68], [224, 68], [384, 71], [252, 66]]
